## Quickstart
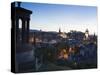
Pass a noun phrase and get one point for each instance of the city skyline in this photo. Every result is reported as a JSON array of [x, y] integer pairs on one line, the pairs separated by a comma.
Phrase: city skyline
[[53, 37], [51, 17]]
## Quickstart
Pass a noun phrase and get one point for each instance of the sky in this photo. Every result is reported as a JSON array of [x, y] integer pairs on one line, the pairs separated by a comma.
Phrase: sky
[[51, 17]]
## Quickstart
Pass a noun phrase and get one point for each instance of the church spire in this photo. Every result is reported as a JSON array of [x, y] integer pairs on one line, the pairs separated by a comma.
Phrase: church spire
[[59, 30], [87, 34]]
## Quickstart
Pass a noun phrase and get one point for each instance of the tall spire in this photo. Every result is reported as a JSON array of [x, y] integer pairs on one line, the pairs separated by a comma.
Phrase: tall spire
[[87, 31], [94, 34], [59, 30], [87, 34]]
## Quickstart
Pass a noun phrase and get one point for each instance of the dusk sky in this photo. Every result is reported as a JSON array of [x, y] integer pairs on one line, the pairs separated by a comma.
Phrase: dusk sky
[[51, 17]]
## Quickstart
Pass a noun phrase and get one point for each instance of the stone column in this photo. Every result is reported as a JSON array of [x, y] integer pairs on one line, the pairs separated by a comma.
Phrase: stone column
[[28, 30], [13, 23], [17, 29], [23, 31]]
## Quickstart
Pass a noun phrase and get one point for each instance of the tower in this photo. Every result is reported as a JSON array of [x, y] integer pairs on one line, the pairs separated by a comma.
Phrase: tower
[[23, 15], [59, 30], [87, 34]]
